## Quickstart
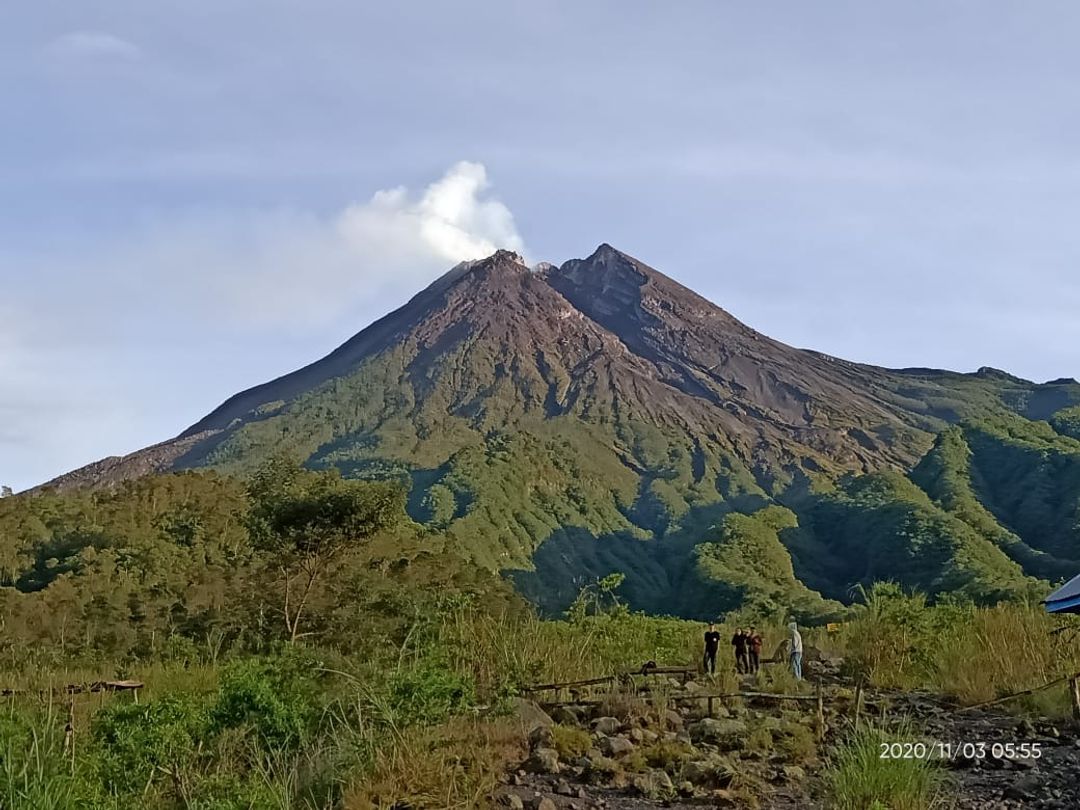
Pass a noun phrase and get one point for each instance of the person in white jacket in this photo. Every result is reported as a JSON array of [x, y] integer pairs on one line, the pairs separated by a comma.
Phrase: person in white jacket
[[795, 649]]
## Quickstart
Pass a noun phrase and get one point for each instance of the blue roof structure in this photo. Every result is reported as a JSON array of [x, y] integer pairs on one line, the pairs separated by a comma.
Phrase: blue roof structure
[[1065, 599]]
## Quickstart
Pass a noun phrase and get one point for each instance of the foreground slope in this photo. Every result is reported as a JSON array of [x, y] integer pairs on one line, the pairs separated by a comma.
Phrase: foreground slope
[[598, 416]]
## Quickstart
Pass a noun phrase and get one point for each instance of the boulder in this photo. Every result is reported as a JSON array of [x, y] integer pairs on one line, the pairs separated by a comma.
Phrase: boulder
[[713, 771], [602, 768], [654, 784], [543, 760], [616, 746], [529, 714], [724, 733], [565, 716], [793, 773], [1024, 788], [541, 737], [513, 801], [672, 720], [606, 726]]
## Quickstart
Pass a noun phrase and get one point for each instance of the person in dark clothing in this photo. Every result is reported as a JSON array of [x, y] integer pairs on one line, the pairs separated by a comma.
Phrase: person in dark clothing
[[738, 641], [754, 644], [712, 645]]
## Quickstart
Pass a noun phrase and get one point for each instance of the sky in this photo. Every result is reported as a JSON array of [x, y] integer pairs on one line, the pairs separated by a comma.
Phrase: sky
[[198, 197]]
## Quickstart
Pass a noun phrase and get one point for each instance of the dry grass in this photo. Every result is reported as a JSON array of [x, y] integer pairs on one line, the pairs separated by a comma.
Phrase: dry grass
[[456, 765]]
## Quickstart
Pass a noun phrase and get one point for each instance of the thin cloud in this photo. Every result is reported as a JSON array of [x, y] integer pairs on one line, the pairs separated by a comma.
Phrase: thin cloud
[[93, 45]]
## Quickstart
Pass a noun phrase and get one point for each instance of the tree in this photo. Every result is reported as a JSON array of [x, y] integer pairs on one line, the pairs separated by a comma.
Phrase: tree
[[6, 492], [304, 521]]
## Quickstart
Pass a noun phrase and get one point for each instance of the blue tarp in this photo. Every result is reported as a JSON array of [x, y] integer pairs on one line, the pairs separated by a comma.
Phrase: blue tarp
[[1065, 599]]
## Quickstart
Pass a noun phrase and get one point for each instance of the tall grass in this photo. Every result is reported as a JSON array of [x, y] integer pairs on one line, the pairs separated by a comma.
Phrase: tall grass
[[401, 722], [974, 654], [858, 778]]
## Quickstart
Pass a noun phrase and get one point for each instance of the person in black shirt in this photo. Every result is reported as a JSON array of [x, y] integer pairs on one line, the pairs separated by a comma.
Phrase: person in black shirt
[[712, 644], [738, 641]]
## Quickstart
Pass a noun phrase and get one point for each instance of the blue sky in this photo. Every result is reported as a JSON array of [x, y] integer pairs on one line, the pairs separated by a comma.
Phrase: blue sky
[[197, 197]]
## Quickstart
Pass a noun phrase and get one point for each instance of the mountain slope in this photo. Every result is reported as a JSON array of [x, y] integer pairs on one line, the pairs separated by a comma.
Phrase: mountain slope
[[598, 416]]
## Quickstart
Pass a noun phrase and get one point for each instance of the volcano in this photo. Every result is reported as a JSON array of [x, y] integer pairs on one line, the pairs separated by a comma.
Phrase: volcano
[[561, 423]]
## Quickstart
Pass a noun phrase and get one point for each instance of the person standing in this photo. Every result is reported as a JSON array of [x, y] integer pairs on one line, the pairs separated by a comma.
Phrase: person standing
[[795, 650], [754, 644], [712, 646], [738, 641]]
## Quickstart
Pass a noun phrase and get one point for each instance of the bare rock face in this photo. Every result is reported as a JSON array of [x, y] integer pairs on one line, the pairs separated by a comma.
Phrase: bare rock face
[[604, 339]]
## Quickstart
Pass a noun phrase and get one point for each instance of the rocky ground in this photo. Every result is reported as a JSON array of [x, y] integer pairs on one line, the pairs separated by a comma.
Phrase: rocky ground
[[990, 781], [630, 752]]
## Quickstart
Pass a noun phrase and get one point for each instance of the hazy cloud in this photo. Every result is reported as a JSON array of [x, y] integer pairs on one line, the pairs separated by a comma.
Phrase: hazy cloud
[[93, 45]]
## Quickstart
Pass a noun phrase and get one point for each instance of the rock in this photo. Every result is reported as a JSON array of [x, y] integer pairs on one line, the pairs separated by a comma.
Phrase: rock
[[544, 803], [713, 771], [686, 789], [1021, 764], [606, 726], [541, 737], [636, 736], [602, 768], [530, 715], [1024, 788], [649, 737], [616, 746], [513, 801], [563, 788], [793, 773], [718, 732], [654, 784], [672, 720], [770, 723], [543, 760], [565, 716], [725, 798]]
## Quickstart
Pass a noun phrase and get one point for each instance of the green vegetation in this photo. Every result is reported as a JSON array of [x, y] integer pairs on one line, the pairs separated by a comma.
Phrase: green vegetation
[[306, 644], [859, 778], [558, 499]]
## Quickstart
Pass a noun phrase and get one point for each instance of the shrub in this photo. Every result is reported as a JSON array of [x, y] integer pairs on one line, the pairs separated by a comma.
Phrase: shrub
[[571, 742], [275, 698], [140, 744], [667, 755], [428, 693]]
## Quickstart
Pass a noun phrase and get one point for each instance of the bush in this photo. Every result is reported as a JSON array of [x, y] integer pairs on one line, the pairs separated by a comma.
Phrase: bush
[[571, 742], [428, 693], [140, 744], [275, 698]]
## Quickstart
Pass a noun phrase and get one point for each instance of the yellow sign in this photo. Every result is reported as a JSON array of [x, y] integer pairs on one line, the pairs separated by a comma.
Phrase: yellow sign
[[833, 627]]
